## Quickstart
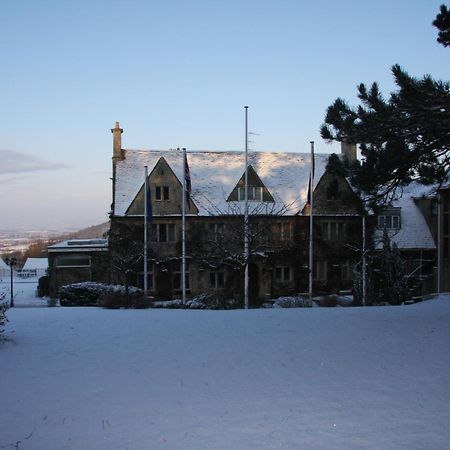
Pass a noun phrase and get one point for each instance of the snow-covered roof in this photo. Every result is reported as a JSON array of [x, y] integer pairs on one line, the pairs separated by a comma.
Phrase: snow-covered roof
[[414, 232], [79, 245], [35, 263], [214, 174]]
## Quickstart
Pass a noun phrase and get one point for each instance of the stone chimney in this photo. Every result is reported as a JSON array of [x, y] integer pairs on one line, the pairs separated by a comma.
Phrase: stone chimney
[[117, 142], [349, 152]]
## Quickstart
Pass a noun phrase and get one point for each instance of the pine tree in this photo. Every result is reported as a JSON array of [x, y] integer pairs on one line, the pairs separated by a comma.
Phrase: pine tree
[[391, 285], [442, 23], [402, 138]]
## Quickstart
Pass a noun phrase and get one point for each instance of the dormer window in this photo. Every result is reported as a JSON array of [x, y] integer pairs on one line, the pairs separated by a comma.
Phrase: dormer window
[[254, 193], [257, 192], [162, 193], [390, 219]]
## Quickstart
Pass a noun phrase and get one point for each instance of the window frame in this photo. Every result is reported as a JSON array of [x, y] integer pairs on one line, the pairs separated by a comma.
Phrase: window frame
[[72, 256], [168, 230], [283, 274], [216, 279], [162, 193], [252, 194]]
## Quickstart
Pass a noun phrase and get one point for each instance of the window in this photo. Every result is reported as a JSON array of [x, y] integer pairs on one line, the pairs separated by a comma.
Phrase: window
[[216, 280], [333, 231], [389, 221], [150, 278], [283, 274], [346, 271], [320, 268], [73, 261], [177, 278], [215, 230], [333, 190], [255, 193], [162, 193], [282, 231], [163, 232]]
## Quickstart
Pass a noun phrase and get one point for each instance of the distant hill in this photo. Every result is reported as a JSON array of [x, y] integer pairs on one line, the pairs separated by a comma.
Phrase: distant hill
[[94, 231], [35, 245]]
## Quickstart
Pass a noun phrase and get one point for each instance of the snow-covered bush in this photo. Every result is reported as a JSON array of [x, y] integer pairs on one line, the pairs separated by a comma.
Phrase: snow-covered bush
[[202, 301], [3, 309], [290, 302], [89, 293]]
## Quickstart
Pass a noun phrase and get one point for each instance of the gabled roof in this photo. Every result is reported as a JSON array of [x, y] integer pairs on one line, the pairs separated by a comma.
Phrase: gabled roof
[[414, 232], [214, 175], [36, 263]]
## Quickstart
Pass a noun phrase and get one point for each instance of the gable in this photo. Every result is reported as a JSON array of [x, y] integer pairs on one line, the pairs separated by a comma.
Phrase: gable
[[253, 182], [333, 195], [165, 191]]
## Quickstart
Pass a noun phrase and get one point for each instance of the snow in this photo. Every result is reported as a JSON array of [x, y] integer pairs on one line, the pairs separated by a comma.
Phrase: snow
[[214, 175], [35, 263], [25, 290], [414, 232], [320, 378]]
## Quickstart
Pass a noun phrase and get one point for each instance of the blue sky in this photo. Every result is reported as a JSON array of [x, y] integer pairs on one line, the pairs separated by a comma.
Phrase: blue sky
[[178, 73]]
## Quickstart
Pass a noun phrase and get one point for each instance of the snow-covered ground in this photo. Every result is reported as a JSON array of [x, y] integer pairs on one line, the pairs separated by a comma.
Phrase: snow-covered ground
[[337, 378], [24, 289]]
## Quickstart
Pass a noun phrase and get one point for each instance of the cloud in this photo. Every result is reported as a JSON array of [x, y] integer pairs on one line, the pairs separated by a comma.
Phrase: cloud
[[12, 162]]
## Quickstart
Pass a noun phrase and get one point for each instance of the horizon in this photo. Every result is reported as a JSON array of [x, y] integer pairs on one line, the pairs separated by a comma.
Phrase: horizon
[[178, 74]]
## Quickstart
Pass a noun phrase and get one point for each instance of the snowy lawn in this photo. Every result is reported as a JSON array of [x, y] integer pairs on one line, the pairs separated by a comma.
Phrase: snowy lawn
[[338, 378]]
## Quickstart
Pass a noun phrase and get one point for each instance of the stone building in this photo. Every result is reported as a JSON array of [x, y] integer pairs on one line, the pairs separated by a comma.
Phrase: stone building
[[279, 222], [77, 260]]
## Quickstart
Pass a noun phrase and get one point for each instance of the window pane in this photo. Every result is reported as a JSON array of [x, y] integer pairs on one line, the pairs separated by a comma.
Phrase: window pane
[[158, 193], [162, 232], [153, 233], [166, 192], [73, 261], [212, 280], [278, 273], [171, 236]]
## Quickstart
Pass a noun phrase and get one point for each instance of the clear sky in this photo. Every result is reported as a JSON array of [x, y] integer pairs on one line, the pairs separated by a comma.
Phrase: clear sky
[[177, 73]]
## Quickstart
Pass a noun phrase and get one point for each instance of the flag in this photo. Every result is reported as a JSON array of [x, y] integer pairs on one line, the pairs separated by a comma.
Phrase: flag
[[187, 178], [148, 199], [311, 176]]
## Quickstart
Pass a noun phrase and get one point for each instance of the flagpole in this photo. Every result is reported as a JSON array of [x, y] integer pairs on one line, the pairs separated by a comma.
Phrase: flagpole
[[183, 230], [311, 196], [246, 253], [145, 230]]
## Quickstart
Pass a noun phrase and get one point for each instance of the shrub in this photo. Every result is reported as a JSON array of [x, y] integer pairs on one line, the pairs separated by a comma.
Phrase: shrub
[[3, 318], [43, 286], [113, 300], [89, 293], [327, 301], [141, 302], [291, 302], [202, 301]]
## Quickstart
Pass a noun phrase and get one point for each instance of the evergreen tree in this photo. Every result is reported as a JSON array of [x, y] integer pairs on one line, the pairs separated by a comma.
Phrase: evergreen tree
[[402, 138], [390, 285], [442, 23]]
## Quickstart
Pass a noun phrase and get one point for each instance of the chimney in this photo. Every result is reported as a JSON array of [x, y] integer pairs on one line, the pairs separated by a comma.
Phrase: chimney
[[349, 152], [117, 141]]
